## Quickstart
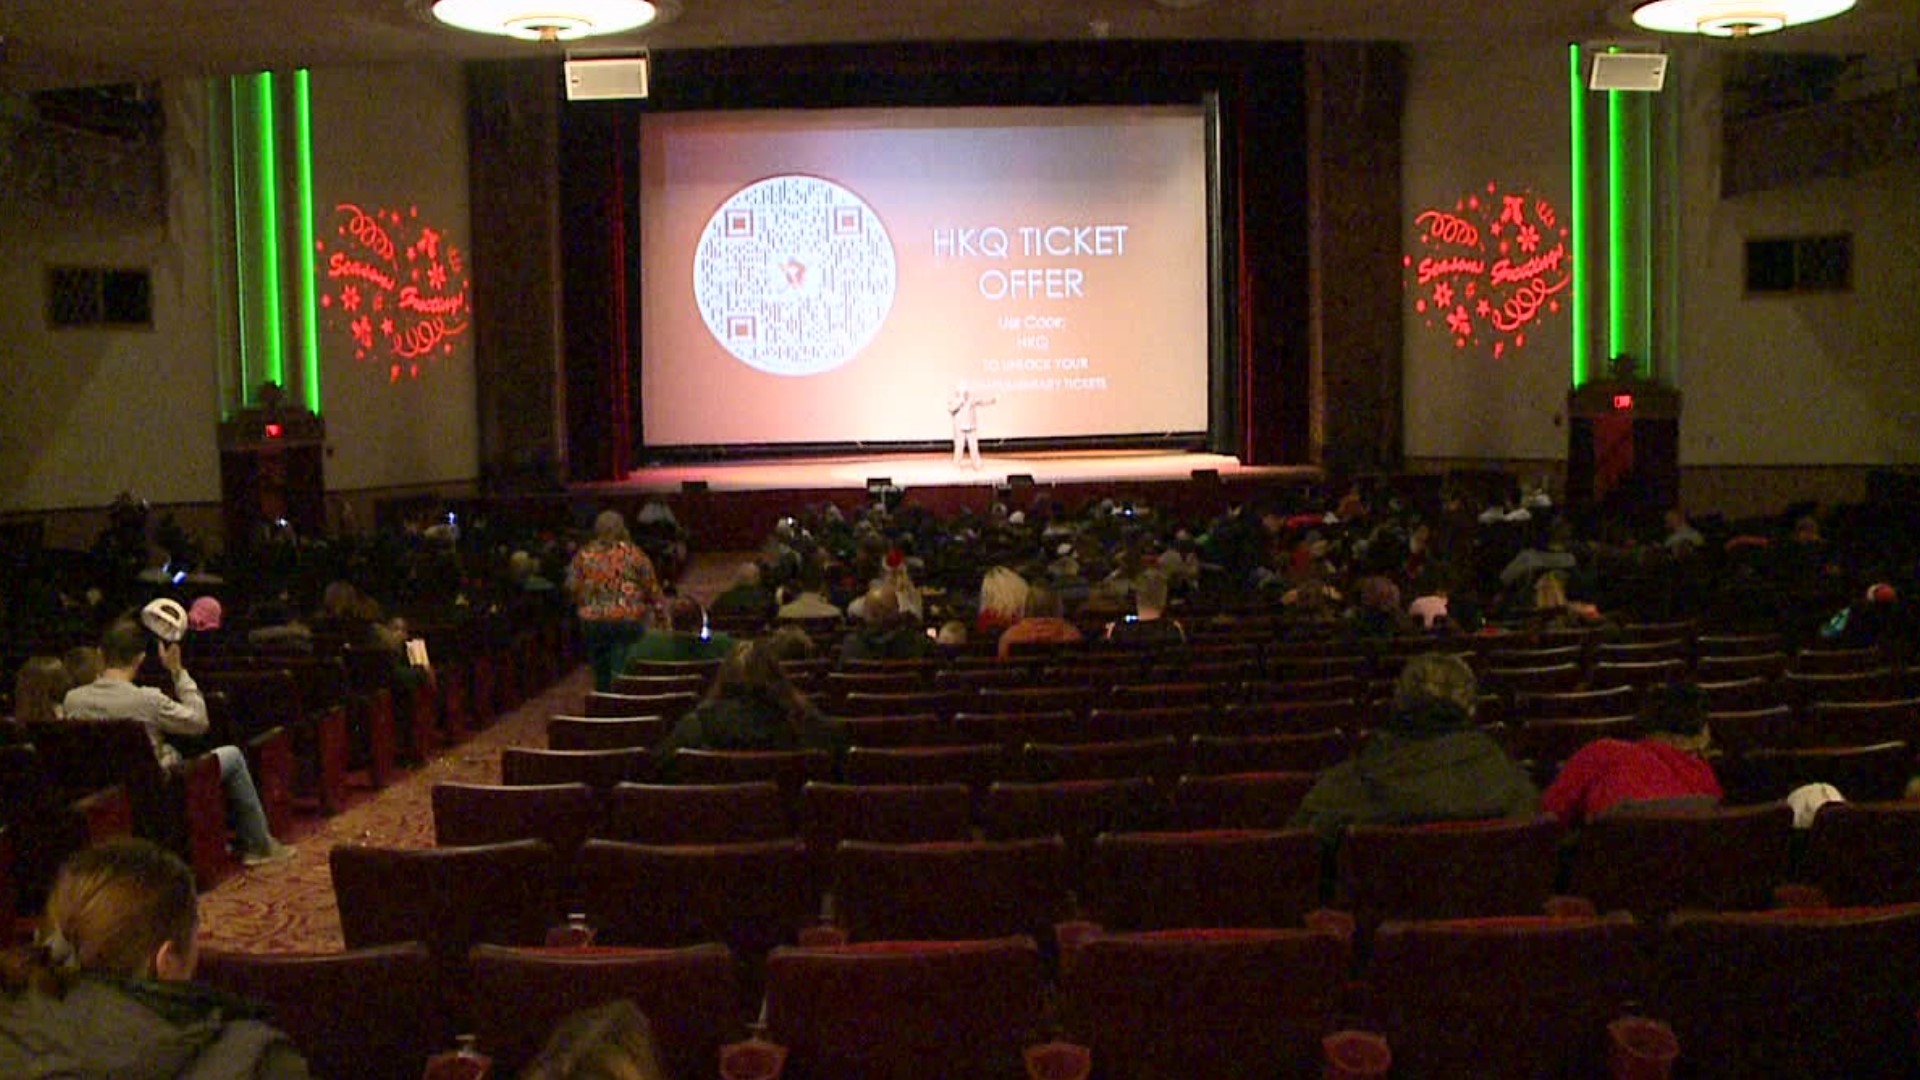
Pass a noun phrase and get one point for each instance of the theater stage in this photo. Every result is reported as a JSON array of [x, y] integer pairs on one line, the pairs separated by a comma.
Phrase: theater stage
[[733, 504], [909, 470]]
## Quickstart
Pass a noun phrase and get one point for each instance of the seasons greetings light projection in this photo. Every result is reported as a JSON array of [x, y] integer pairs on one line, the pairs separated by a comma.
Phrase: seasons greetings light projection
[[395, 287], [1490, 270]]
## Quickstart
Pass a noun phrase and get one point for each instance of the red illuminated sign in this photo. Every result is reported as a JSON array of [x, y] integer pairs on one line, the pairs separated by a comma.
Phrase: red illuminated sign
[[1622, 402], [395, 287], [1489, 269], [274, 431]]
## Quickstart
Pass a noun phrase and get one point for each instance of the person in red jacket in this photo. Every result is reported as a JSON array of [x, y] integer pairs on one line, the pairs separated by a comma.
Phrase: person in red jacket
[[1667, 766]]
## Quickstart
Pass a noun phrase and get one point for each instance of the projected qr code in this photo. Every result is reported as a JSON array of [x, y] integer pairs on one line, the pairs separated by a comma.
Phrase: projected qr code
[[794, 275]]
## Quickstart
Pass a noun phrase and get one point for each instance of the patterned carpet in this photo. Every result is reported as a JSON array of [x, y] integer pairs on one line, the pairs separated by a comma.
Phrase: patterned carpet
[[289, 907]]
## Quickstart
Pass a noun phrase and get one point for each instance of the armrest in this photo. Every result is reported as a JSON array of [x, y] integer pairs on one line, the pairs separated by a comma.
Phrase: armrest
[[1058, 1061], [270, 757], [1355, 1055], [754, 1059], [1640, 1049]]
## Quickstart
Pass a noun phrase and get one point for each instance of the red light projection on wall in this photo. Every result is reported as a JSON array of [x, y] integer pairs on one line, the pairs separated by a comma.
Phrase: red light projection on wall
[[395, 286], [1487, 271]]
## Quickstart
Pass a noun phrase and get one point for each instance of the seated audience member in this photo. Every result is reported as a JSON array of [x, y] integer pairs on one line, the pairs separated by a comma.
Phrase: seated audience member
[[205, 615], [113, 696], [1044, 624], [610, 1041], [747, 597], [523, 570], [951, 635], [105, 990], [1003, 601], [752, 705], [885, 632], [1427, 763], [808, 600], [40, 689], [1377, 613], [1667, 766], [1555, 554], [686, 636], [1682, 538], [1148, 625]]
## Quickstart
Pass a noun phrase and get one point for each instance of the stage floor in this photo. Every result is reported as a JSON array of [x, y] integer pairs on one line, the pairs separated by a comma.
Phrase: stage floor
[[938, 470]]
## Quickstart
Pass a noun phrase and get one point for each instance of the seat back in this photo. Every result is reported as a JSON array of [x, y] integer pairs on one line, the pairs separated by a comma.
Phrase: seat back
[[1653, 862], [1182, 722], [1817, 994], [888, 813], [1576, 704], [1156, 758], [789, 770], [1864, 853], [605, 732], [948, 1010], [943, 891], [1875, 773], [1861, 723], [697, 813], [671, 705], [689, 996], [1254, 800], [976, 765], [1303, 752], [1074, 810], [1512, 997], [1547, 743], [448, 898], [599, 769], [750, 897], [1012, 730], [906, 729], [1448, 869], [372, 1012], [563, 815], [1233, 1004], [1274, 716], [1170, 880]]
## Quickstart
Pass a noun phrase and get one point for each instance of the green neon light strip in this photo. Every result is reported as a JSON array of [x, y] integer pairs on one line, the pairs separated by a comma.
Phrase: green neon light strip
[[1617, 224], [1643, 117], [241, 279], [309, 287], [271, 310], [1577, 127]]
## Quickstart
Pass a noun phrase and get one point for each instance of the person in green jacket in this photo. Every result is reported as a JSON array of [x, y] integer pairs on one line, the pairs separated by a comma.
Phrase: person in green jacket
[[1428, 763], [105, 991]]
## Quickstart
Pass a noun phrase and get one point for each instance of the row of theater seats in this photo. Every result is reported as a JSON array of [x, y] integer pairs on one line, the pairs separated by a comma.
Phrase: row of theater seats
[[1090, 852], [314, 727], [1784, 993]]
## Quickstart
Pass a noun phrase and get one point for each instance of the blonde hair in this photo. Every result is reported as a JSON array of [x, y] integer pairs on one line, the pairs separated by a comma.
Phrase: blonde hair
[[111, 908], [611, 528], [1550, 592], [1003, 594], [611, 1041]]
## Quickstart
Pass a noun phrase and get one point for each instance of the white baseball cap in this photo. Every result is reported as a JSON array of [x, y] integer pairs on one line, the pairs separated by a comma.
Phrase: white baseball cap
[[166, 618]]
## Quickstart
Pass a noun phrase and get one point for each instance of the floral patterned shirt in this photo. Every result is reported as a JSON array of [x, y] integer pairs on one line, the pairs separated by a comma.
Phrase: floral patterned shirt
[[613, 583]]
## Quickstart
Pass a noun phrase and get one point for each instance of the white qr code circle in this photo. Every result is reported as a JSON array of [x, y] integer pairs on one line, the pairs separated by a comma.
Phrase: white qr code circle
[[794, 275]]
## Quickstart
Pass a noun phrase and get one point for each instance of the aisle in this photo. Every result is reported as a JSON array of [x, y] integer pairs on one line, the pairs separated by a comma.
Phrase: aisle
[[289, 907]]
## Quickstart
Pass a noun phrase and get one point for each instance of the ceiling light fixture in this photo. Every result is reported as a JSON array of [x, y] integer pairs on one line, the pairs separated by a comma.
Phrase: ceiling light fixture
[[1734, 18], [546, 20]]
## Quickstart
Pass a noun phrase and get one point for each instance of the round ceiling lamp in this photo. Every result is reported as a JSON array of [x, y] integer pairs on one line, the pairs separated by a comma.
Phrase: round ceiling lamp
[[546, 20], [1734, 18]]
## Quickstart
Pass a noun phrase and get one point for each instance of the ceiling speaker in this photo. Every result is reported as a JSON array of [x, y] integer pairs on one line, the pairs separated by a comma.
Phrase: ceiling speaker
[[599, 78], [1628, 71]]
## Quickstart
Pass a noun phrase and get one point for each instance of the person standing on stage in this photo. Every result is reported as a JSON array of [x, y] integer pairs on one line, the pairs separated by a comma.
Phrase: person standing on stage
[[964, 405], [615, 590]]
